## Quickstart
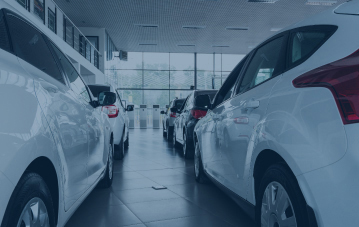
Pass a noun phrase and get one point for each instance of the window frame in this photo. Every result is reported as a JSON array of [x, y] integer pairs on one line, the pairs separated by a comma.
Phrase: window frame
[[330, 28], [282, 65], [48, 19]]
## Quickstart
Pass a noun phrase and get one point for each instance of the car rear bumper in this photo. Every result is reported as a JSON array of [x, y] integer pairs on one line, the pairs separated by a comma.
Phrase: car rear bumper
[[332, 191]]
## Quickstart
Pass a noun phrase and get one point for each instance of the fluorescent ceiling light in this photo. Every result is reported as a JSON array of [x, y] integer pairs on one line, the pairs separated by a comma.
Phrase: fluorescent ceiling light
[[275, 29], [147, 25], [194, 26], [237, 28], [220, 46], [147, 44], [320, 2], [186, 45], [263, 1]]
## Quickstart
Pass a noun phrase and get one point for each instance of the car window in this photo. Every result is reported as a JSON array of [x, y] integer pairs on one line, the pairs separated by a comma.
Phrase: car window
[[30, 45], [179, 103], [264, 65], [225, 92], [76, 83], [4, 41], [304, 42], [119, 98]]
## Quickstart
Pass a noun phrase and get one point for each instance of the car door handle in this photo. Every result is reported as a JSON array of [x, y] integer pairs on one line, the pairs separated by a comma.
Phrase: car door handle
[[252, 104]]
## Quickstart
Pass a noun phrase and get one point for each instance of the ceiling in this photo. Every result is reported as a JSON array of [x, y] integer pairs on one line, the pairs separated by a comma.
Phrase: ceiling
[[120, 17]]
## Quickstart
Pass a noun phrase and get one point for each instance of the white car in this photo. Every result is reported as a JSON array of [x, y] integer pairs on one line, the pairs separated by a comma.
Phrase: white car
[[56, 144], [169, 117], [118, 118], [287, 121]]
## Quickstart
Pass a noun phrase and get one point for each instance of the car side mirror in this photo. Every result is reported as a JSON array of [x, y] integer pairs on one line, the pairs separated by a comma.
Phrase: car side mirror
[[174, 110], [106, 98], [162, 112], [130, 108]]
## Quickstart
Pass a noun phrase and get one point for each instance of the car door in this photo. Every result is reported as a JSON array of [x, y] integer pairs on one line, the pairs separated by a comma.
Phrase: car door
[[63, 113], [91, 117], [215, 135], [184, 116], [243, 113]]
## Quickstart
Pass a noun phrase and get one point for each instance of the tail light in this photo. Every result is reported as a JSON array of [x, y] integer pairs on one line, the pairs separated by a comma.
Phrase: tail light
[[112, 111], [198, 114], [342, 79], [173, 114]]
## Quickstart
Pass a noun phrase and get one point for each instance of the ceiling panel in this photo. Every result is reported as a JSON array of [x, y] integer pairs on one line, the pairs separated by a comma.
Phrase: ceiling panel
[[121, 19]]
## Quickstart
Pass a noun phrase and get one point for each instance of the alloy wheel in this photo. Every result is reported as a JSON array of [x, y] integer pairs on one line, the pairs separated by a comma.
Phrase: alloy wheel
[[277, 209], [34, 214]]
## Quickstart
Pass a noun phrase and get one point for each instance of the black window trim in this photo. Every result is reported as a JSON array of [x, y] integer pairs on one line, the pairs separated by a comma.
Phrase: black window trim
[[283, 55], [4, 12], [331, 28]]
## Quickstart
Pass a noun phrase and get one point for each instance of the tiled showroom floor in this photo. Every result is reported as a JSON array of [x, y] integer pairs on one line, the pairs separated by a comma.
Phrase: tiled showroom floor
[[131, 201]]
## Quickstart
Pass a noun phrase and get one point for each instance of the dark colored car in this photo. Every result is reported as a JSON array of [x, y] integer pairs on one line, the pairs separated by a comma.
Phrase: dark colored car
[[193, 109]]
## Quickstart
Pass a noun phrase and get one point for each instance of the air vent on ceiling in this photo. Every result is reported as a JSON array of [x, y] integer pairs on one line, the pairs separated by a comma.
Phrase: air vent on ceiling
[[123, 55], [147, 25], [147, 44], [263, 1], [237, 28], [186, 45], [220, 46], [320, 2], [194, 26]]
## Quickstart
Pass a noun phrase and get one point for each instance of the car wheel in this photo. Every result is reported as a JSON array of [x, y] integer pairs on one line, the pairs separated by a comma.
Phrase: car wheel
[[200, 175], [120, 150], [30, 204], [106, 182], [279, 199], [169, 133], [164, 133], [174, 141], [187, 148], [127, 142]]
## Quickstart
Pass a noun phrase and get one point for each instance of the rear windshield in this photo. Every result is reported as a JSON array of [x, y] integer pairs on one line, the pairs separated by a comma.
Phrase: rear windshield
[[95, 89], [178, 104]]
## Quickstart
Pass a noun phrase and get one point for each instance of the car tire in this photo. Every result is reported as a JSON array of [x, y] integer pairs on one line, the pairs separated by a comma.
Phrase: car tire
[[106, 182], [169, 133], [127, 142], [119, 150], [278, 181], [174, 140], [31, 191], [164, 133], [187, 147], [199, 173]]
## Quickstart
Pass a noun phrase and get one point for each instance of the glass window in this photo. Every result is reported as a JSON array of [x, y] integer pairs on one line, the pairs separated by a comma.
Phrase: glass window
[[204, 80], [134, 61], [39, 9], [181, 79], [4, 41], [229, 61], [205, 62], [178, 103], [156, 98], [263, 65], [156, 61], [24, 3], [156, 79], [181, 61], [180, 94], [30, 45], [76, 83], [304, 43], [51, 20], [126, 78]]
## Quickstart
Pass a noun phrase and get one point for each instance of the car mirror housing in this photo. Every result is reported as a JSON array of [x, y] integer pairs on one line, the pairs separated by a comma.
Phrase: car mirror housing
[[106, 98], [130, 108]]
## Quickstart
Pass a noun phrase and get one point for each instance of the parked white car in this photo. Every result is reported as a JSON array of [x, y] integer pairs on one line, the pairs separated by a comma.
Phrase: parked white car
[[287, 124], [169, 117], [56, 144], [118, 118]]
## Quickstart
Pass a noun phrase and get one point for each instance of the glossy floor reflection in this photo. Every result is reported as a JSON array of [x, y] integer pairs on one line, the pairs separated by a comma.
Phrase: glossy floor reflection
[[131, 201]]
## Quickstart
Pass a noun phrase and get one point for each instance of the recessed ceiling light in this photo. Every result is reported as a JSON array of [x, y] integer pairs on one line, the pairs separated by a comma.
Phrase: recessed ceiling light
[[320, 2], [263, 1], [220, 46], [237, 28], [186, 45], [147, 44], [194, 26], [147, 25], [275, 29]]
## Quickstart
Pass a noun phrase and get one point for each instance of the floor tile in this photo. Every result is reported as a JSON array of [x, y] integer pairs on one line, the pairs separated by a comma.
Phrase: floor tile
[[144, 195]]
